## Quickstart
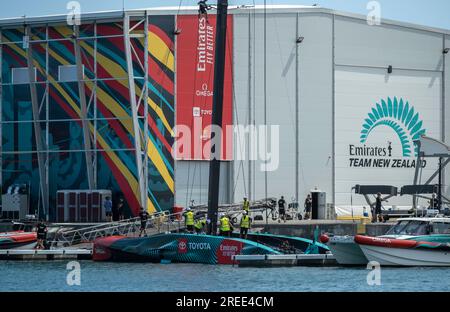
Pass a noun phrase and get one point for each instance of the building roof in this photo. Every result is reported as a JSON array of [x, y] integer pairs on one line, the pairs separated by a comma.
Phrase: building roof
[[187, 10]]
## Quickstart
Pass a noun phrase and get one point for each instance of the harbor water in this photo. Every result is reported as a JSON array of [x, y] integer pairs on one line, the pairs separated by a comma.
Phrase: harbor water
[[109, 277]]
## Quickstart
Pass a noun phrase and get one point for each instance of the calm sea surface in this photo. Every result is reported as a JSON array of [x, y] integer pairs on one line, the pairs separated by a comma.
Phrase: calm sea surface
[[52, 276]]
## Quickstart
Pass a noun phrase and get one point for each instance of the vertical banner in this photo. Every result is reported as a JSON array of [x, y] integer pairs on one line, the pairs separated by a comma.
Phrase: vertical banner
[[195, 85]]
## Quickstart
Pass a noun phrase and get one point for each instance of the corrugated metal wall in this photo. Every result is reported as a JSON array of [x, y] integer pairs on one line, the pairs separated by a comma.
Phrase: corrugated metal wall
[[299, 92], [316, 104], [447, 105], [281, 99], [302, 87]]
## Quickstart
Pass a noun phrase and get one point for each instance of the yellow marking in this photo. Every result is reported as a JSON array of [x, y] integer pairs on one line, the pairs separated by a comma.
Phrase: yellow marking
[[160, 51], [155, 157]]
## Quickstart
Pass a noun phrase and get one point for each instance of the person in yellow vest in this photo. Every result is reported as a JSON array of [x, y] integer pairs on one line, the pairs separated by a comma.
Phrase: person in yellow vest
[[200, 226], [189, 220], [225, 227], [245, 224], [246, 205]]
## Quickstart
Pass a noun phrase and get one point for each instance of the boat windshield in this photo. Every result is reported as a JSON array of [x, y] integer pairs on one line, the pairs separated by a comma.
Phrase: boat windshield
[[441, 228], [413, 228]]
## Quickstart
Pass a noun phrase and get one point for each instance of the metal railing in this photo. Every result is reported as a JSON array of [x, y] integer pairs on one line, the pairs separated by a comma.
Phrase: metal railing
[[159, 222]]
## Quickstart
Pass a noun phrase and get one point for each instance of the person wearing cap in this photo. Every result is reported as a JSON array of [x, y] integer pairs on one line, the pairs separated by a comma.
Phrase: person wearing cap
[[245, 224], [200, 226], [246, 205], [189, 220], [224, 226]]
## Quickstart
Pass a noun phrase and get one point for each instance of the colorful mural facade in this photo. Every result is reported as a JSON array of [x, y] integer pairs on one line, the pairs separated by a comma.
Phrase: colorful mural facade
[[109, 114]]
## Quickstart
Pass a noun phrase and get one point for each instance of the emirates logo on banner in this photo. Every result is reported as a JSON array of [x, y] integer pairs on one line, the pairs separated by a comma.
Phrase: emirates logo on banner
[[228, 249], [195, 88], [182, 246]]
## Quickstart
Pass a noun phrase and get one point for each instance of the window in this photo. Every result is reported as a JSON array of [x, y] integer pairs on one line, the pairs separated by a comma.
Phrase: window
[[441, 228], [20, 75], [68, 73], [413, 228]]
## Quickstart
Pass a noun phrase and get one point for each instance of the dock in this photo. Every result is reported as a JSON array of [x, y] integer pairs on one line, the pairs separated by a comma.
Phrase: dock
[[285, 260], [39, 254]]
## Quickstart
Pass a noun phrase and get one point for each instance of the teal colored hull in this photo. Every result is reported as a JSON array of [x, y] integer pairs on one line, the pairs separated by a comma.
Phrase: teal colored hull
[[189, 248], [181, 248], [437, 238]]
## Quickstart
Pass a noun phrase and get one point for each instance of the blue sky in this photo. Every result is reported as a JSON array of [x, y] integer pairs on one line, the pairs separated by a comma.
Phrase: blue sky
[[435, 13]]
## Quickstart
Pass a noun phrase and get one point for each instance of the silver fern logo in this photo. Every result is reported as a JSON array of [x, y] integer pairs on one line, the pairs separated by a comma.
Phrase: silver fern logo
[[401, 117]]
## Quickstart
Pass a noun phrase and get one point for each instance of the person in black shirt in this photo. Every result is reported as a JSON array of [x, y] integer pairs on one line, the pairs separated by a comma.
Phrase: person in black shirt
[[433, 202], [282, 209], [377, 214], [120, 209], [41, 230], [144, 217], [308, 207]]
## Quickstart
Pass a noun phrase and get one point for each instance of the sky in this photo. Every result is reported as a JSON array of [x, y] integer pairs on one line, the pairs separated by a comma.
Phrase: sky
[[434, 13]]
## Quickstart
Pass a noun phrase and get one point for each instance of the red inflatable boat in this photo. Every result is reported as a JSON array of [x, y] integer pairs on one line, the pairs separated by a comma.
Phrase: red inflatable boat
[[17, 239]]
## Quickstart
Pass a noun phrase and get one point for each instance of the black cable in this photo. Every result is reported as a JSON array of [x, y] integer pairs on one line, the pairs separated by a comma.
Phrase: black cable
[[265, 95]]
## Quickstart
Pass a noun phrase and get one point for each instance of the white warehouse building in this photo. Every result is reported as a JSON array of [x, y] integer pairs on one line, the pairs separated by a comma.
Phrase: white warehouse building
[[344, 102], [350, 99]]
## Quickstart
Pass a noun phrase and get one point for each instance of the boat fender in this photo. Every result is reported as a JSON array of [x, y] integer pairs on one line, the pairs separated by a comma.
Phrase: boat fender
[[324, 238]]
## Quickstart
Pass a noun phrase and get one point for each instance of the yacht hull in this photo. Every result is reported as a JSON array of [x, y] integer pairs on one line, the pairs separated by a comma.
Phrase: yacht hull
[[346, 251], [18, 239], [177, 248], [393, 252]]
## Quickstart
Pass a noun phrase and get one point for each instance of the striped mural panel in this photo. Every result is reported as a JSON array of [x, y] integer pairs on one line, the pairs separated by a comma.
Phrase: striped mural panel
[[109, 111]]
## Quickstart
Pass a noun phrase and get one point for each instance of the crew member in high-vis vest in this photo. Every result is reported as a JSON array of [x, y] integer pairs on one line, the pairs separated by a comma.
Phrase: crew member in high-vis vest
[[189, 219], [246, 205], [200, 226], [245, 224], [225, 227]]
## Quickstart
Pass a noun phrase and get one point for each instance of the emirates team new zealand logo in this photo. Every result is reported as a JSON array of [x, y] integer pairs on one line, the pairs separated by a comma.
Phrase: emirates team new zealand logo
[[401, 117]]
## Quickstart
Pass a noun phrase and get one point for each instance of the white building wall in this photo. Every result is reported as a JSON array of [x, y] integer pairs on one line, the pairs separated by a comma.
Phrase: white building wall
[[446, 60], [281, 102], [359, 44], [316, 104], [243, 95], [281, 99], [362, 54], [192, 179]]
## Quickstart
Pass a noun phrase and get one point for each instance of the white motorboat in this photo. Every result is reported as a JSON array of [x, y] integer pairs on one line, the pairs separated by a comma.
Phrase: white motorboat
[[348, 252], [413, 242]]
